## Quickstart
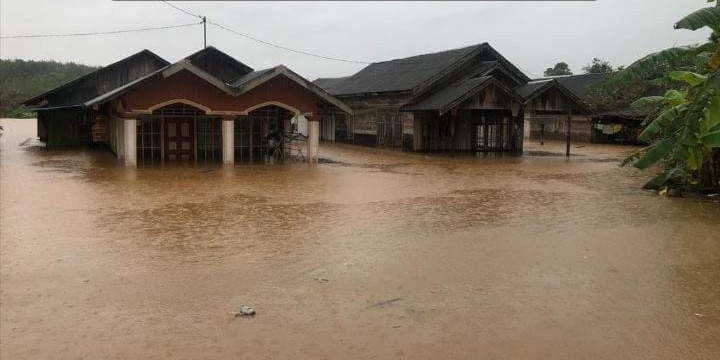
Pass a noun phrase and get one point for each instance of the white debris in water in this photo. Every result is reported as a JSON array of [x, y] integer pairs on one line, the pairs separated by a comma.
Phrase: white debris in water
[[244, 311]]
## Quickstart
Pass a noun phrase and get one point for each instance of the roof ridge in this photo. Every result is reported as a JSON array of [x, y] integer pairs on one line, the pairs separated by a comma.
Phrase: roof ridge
[[431, 53]]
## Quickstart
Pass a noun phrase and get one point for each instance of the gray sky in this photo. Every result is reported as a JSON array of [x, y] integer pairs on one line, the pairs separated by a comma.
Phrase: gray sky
[[532, 35]]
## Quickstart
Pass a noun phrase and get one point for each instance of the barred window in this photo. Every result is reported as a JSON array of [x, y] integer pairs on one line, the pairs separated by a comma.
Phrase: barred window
[[148, 139]]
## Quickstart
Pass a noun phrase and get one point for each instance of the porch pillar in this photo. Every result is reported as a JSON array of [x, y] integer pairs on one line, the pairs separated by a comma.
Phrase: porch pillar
[[228, 140], [313, 138], [130, 142]]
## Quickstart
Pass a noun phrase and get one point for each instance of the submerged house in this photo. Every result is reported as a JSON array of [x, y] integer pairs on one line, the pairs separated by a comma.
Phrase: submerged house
[[467, 99], [616, 125], [205, 107]]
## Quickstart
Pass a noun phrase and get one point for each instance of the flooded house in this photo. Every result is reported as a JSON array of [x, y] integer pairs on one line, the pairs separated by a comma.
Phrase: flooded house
[[614, 125], [470, 99], [205, 107]]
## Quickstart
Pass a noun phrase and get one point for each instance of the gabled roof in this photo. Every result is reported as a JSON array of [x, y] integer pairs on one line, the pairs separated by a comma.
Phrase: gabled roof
[[256, 78], [236, 88], [450, 96], [535, 88], [410, 73], [103, 80], [219, 64], [166, 71]]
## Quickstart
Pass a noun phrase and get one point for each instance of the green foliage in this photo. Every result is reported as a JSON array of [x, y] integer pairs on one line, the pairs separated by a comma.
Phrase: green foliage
[[598, 66], [20, 80], [658, 64], [701, 18], [603, 97], [560, 68], [685, 135]]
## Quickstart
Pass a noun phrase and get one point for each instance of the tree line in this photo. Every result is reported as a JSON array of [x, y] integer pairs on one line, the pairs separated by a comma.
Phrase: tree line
[[23, 79], [597, 66]]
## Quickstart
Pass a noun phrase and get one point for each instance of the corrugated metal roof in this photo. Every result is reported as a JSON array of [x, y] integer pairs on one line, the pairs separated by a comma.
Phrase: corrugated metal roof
[[219, 64], [446, 96], [401, 74], [530, 88], [328, 83], [99, 82], [579, 84]]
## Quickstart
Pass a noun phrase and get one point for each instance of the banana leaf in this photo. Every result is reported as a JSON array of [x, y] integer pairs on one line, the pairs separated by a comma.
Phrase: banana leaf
[[655, 153], [698, 19]]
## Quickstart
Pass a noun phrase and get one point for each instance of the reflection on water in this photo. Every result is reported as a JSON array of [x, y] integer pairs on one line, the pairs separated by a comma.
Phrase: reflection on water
[[370, 254]]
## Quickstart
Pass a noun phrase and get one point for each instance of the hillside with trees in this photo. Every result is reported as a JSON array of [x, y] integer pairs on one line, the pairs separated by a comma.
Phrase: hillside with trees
[[21, 80]]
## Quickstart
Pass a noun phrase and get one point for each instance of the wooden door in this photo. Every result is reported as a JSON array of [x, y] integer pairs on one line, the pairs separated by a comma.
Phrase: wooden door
[[179, 139]]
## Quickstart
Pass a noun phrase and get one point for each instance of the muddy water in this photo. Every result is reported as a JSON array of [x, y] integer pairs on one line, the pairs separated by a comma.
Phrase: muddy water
[[371, 255]]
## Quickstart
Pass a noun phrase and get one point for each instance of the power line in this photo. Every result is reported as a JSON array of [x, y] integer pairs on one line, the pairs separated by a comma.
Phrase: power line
[[181, 9], [266, 42], [98, 32], [287, 48]]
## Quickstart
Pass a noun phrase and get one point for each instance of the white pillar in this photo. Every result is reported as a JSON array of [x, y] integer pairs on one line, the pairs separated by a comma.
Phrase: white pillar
[[313, 139], [228, 141], [130, 142]]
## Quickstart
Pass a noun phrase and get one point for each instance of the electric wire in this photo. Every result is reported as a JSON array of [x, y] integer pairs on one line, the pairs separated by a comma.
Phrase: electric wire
[[98, 32]]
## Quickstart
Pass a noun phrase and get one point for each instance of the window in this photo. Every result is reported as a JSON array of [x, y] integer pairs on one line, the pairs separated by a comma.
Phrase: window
[[251, 133], [148, 139], [209, 139]]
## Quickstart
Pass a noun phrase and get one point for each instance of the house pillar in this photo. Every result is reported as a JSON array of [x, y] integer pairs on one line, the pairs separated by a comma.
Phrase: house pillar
[[228, 140], [313, 144], [130, 141]]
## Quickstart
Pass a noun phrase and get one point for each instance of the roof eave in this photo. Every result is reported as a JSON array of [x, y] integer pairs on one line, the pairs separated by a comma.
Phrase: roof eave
[[282, 70]]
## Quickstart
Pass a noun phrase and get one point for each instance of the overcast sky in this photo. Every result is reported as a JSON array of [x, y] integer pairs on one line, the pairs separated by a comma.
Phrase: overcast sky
[[532, 35]]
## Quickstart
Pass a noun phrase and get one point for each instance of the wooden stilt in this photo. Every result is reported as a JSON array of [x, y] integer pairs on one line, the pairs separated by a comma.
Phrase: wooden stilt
[[454, 136]]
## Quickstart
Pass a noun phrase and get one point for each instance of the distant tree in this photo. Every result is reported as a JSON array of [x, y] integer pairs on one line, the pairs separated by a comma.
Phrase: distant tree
[[598, 66], [560, 68], [20, 80]]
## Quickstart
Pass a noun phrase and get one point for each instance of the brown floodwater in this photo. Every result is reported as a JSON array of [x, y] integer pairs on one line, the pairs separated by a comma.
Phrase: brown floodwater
[[372, 254]]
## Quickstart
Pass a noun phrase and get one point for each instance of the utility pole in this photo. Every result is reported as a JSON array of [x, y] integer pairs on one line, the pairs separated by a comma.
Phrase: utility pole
[[204, 32]]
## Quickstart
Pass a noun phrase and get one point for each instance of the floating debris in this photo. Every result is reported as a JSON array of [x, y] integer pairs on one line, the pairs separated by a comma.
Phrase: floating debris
[[244, 311], [385, 302]]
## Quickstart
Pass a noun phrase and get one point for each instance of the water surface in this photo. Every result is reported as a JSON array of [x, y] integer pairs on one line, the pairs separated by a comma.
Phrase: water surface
[[372, 254]]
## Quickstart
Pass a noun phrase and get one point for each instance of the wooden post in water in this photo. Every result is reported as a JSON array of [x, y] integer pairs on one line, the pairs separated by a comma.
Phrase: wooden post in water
[[567, 136], [542, 133], [453, 132]]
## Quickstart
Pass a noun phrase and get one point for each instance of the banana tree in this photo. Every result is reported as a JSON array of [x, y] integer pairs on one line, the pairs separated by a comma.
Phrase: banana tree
[[685, 136]]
